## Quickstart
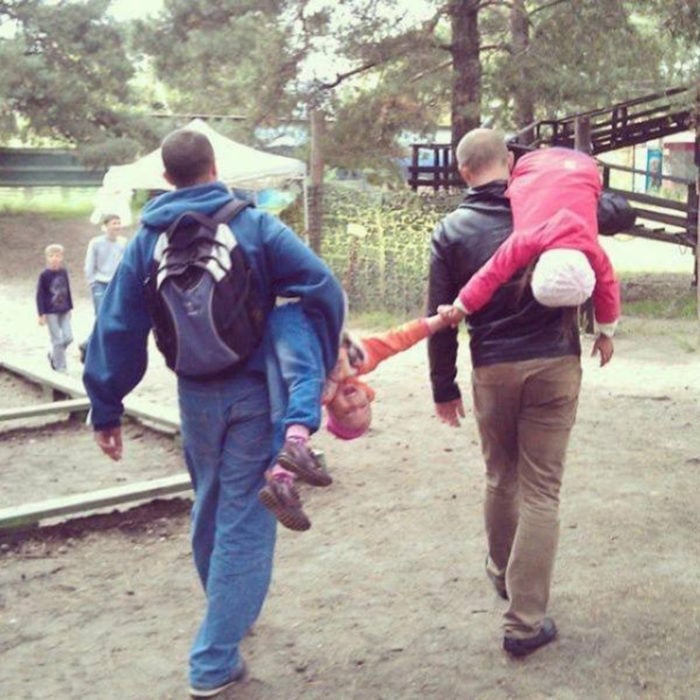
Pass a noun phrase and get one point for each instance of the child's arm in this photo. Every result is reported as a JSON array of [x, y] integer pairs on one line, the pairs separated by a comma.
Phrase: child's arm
[[41, 300], [606, 293], [384, 345], [515, 253], [89, 267]]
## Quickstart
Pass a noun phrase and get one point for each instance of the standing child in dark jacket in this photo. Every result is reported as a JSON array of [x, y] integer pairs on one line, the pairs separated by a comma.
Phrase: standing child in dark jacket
[[54, 304]]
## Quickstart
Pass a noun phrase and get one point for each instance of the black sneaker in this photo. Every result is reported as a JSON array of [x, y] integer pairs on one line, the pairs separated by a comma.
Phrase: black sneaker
[[523, 647], [50, 356]]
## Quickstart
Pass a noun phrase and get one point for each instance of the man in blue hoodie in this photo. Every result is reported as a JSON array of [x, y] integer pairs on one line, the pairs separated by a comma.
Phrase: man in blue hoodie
[[228, 436]]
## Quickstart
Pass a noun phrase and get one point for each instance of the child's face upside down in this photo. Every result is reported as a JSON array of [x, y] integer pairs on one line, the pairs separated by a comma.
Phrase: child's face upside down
[[351, 406]]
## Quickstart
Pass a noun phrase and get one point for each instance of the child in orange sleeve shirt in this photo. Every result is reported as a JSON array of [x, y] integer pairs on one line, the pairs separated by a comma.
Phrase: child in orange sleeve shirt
[[346, 398]]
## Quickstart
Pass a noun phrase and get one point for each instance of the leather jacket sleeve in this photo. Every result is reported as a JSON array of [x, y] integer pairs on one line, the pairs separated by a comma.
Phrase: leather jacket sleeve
[[443, 345]]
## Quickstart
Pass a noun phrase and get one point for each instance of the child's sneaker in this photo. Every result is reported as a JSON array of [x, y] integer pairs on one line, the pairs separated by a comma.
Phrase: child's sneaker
[[281, 498], [298, 458], [51, 362]]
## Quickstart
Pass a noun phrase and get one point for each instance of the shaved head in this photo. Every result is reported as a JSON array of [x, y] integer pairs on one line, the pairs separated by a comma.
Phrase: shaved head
[[188, 158], [482, 149]]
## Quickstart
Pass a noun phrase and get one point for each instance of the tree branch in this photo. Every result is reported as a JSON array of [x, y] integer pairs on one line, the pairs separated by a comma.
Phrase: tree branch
[[546, 6], [494, 3], [434, 69], [340, 77]]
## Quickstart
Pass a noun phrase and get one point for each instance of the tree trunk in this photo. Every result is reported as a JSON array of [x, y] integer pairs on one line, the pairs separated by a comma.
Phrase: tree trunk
[[520, 42], [315, 190], [466, 67], [697, 193]]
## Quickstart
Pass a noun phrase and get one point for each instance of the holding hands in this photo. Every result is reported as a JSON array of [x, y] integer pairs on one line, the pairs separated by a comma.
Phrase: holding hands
[[450, 314]]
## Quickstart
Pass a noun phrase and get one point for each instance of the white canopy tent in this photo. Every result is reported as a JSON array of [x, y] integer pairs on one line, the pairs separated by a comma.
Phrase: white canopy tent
[[238, 166]]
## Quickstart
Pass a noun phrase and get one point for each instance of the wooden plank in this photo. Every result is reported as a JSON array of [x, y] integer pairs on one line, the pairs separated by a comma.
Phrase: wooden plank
[[54, 380], [168, 418], [42, 409], [30, 514]]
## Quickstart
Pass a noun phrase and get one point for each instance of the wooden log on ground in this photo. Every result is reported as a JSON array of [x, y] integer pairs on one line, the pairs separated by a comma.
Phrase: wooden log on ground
[[158, 417], [43, 409], [31, 514]]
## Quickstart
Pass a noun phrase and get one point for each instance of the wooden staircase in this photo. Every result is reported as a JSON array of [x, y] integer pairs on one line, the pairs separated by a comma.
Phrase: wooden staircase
[[609, 128]]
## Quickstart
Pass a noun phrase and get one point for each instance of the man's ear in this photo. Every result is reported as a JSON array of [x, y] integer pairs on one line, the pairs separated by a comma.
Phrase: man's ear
[[464, 172], [511, 160], [167, 178]]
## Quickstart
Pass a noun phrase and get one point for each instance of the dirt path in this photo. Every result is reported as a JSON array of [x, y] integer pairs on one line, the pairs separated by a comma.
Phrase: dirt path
[[385, 596]]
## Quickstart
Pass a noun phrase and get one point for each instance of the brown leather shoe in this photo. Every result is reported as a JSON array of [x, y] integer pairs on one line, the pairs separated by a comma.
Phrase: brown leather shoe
[[296, 457], [281, 498], [523, 647]]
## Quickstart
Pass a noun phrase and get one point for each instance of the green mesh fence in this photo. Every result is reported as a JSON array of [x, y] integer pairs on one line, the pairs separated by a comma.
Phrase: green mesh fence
[[378, 244]]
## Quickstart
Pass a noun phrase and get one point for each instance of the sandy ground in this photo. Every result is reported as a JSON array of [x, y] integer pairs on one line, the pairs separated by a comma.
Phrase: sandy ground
[[385, 597]]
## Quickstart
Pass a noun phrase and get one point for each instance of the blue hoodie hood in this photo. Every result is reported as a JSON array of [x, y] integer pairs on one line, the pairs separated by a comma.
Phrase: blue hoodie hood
[[160, 212]]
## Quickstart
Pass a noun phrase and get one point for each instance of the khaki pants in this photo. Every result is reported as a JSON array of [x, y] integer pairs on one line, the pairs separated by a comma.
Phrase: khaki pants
[[525, 412]]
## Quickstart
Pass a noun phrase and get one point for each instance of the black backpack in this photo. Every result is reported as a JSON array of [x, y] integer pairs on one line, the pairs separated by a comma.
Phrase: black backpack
[[201, 295]]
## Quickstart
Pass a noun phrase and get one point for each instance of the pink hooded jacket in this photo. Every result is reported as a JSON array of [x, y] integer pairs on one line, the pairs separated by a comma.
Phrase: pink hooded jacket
[[554, 197]]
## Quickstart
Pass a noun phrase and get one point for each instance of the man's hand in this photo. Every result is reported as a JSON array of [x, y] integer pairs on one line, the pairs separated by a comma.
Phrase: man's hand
[[603, 345], [450, 314], [450, 412], [110, 442]]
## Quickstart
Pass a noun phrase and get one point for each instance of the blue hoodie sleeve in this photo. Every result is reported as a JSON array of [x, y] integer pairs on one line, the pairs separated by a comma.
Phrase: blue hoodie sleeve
[[296, 271], [117, 357]]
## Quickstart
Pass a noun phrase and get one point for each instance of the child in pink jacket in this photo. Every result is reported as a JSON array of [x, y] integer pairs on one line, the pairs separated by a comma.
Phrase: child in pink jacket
[[554, 196]]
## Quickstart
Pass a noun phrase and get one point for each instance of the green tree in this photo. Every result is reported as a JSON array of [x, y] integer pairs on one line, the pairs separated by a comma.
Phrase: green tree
[[64, 75]]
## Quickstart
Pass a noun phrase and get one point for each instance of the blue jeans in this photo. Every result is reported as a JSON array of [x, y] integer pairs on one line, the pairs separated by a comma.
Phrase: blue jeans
[[97, 290], [228, 444], [61, 335], [294, 369]]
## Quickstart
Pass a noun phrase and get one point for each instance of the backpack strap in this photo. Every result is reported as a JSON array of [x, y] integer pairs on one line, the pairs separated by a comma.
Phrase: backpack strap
[[229, 210], [222, 215]]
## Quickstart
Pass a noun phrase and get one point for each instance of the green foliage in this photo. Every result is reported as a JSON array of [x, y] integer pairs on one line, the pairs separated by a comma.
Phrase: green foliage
[[229, 57], [64, 74], [54, 202], [377, 243], [579, 55]]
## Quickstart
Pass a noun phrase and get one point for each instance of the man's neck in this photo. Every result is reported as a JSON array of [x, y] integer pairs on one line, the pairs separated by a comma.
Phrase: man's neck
[[490, 175]]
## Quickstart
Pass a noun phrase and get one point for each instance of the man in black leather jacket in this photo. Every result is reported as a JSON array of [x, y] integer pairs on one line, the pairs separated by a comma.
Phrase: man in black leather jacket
[[525, 384]]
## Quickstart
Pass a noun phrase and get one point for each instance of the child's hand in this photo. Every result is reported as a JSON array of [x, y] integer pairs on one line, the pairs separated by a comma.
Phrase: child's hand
[[603, 345], [42, 320], [450, 314]]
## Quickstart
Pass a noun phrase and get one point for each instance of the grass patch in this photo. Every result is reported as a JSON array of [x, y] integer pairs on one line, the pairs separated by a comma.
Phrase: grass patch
[[667, 296], [683, 307], [53, 202]]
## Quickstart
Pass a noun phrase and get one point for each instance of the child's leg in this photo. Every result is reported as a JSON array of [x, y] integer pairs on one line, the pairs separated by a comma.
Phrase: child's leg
[[295, 381], [298, 354], [66, 329], [57, 356]]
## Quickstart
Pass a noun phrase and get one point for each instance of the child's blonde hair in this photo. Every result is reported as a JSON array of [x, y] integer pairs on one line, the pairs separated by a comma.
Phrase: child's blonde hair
[[52, 249]]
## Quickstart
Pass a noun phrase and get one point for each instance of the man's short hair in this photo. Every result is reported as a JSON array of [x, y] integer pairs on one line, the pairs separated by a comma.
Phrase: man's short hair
[[481, 148], [187, 156]]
